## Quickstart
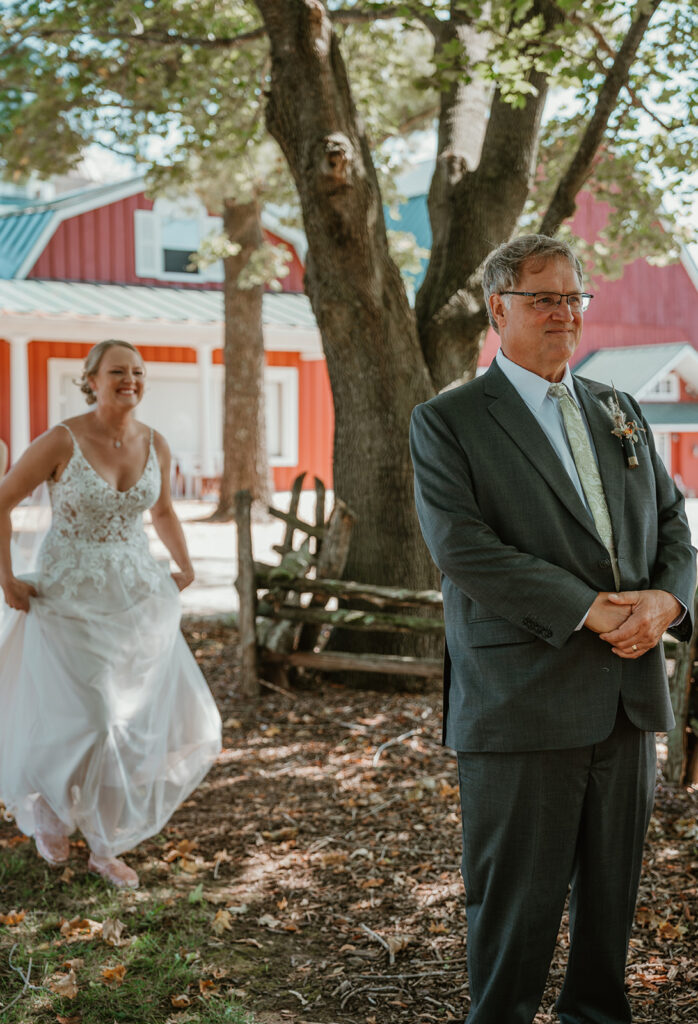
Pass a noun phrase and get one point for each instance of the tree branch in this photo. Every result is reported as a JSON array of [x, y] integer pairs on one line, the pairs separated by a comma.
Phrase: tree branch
[[165, 37], [563, 203], [409, 124]]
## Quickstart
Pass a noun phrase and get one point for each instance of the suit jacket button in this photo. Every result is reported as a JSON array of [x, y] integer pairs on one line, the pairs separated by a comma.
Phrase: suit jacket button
[[605, 563]]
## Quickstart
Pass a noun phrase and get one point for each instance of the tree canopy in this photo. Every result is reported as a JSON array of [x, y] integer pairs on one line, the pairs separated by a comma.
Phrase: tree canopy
[[532, 100]]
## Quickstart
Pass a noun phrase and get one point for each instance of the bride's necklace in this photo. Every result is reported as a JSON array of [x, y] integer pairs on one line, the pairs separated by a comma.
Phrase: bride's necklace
[[117, 441]]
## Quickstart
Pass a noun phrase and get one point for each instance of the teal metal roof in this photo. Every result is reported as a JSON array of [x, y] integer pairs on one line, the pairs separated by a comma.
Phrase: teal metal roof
[[22, 225], [135, 302], [679, 414], [19, 232], [630, 369]]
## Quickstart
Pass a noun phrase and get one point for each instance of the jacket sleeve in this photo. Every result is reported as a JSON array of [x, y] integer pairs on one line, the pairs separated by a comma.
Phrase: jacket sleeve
[[534, 594]]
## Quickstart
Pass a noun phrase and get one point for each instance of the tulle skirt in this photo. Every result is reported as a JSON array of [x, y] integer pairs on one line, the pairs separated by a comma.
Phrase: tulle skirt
[[103, 710]]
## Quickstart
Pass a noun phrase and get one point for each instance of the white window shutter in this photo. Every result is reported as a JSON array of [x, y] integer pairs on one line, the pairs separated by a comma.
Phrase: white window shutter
[[211, 225], [148, 251]]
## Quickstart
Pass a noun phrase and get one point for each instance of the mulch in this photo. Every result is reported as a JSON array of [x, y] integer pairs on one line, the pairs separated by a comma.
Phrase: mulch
[[332, 823]]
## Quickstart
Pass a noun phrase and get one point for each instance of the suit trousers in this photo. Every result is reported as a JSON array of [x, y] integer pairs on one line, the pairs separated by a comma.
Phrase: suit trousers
[[535, 822]]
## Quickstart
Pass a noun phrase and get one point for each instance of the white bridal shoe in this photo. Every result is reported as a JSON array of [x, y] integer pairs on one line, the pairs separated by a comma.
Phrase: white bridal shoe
[[114, 870]]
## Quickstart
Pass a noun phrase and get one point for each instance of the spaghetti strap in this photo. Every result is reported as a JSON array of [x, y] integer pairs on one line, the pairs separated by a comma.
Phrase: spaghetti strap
[[75, 440]]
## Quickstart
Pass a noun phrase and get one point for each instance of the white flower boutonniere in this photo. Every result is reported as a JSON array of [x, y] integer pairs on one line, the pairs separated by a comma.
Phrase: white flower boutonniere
[[627, 431]]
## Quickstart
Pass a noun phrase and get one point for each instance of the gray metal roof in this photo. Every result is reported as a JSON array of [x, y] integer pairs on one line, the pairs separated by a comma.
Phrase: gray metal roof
[[136, 302], [634, 368]]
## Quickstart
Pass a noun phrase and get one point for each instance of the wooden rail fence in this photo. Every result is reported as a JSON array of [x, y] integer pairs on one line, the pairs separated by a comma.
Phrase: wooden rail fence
[[288, 611]]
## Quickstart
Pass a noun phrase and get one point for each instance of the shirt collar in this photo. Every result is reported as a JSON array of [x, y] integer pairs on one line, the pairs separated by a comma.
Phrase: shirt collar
[[532, 388]]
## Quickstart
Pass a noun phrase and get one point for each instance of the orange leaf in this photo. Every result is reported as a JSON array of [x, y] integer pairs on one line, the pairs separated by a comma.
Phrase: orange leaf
[[114, 976], [180, 1001], [207, 988], [80, 929], [13, 918]]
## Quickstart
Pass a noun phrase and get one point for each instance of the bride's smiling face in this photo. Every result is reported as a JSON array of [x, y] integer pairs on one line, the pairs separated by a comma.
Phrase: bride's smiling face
[[120, 378]]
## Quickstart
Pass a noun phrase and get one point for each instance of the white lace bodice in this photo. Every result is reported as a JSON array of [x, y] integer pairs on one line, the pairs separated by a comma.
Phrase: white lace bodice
[[96, 530]]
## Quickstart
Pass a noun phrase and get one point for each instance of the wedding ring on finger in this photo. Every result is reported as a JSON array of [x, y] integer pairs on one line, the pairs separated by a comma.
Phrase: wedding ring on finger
[[634, 647]]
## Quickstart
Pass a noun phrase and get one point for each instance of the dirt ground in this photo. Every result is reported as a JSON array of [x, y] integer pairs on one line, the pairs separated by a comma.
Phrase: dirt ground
[[325, 847], [338, 814]]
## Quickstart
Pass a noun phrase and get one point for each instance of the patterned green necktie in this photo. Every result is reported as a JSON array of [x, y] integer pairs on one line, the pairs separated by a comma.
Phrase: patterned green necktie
[[587, 469]]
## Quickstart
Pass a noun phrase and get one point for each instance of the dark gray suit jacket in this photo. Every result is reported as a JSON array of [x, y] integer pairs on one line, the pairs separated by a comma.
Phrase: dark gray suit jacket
[[521, 563]]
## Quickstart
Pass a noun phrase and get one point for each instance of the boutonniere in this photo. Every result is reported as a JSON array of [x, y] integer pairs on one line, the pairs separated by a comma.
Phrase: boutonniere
[[626, 430]]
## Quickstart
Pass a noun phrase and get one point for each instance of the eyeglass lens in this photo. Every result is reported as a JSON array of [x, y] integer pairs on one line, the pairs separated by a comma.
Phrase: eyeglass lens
[[549, 300]]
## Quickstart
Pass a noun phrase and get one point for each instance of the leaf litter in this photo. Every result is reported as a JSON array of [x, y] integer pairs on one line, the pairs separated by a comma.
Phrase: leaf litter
[[325, 847]]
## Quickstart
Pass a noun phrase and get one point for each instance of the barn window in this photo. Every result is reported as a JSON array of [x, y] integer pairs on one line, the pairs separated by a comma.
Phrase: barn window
[[664, 390], [167, 236]]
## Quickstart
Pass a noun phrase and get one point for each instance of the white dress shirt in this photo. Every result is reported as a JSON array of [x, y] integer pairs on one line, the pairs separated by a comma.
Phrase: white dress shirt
[[546, 409]]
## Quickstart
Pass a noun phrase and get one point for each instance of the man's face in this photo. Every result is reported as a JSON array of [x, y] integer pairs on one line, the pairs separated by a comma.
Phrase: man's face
[[542, 342]]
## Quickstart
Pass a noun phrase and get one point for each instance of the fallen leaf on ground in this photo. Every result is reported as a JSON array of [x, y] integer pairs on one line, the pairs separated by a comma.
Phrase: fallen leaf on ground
[[68, 875], [80, 929], [180, 1001], [207, 988], [267, 921], [68, 1020], [112, 930], [74, 964], [398, 942], [182, 849], [114, 976], [64, 985], [13, 918], [221, 922]]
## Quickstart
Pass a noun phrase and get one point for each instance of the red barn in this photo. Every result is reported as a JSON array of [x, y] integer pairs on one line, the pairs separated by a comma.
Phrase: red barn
[[107, 262]]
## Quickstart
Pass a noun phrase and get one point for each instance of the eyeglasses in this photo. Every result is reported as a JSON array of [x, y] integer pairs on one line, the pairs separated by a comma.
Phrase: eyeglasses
[[577, 302]]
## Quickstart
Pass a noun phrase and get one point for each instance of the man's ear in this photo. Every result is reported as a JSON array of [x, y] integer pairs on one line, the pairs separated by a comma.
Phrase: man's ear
[[499, 309]]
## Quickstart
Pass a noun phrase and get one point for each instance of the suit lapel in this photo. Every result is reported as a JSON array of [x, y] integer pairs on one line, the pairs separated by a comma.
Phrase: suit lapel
[[514, 416], [608, 453]]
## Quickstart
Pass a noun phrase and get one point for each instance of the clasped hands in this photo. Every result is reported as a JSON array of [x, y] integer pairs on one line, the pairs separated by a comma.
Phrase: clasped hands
[[632, 621]]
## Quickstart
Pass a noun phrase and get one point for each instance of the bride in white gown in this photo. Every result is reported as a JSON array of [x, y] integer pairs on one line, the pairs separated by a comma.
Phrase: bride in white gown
[[106, 723]]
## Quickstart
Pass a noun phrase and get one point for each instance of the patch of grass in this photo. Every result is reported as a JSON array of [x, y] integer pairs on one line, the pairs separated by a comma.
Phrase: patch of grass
[[171, 964]]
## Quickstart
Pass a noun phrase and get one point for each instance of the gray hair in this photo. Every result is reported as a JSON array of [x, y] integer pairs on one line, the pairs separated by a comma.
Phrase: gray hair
[[94, 358], [503, 266]]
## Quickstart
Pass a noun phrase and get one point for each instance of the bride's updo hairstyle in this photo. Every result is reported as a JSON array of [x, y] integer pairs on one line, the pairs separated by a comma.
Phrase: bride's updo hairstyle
[[94, 358]]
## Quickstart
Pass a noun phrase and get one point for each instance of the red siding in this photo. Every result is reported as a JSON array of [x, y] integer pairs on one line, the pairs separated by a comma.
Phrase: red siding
[[5, 392], [315, 422], [100, 246], [685, 462]]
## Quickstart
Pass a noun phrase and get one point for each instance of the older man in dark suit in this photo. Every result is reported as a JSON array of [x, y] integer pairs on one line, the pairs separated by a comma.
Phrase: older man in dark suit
[[565, 554]]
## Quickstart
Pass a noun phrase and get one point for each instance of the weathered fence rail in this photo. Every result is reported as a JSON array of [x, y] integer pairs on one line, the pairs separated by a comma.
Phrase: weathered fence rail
[[291, 608], [287, 613]]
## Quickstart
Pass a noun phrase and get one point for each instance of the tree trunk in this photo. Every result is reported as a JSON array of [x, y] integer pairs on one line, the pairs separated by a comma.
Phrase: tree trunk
[[473, 210], [245, 460], [374, 361]]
